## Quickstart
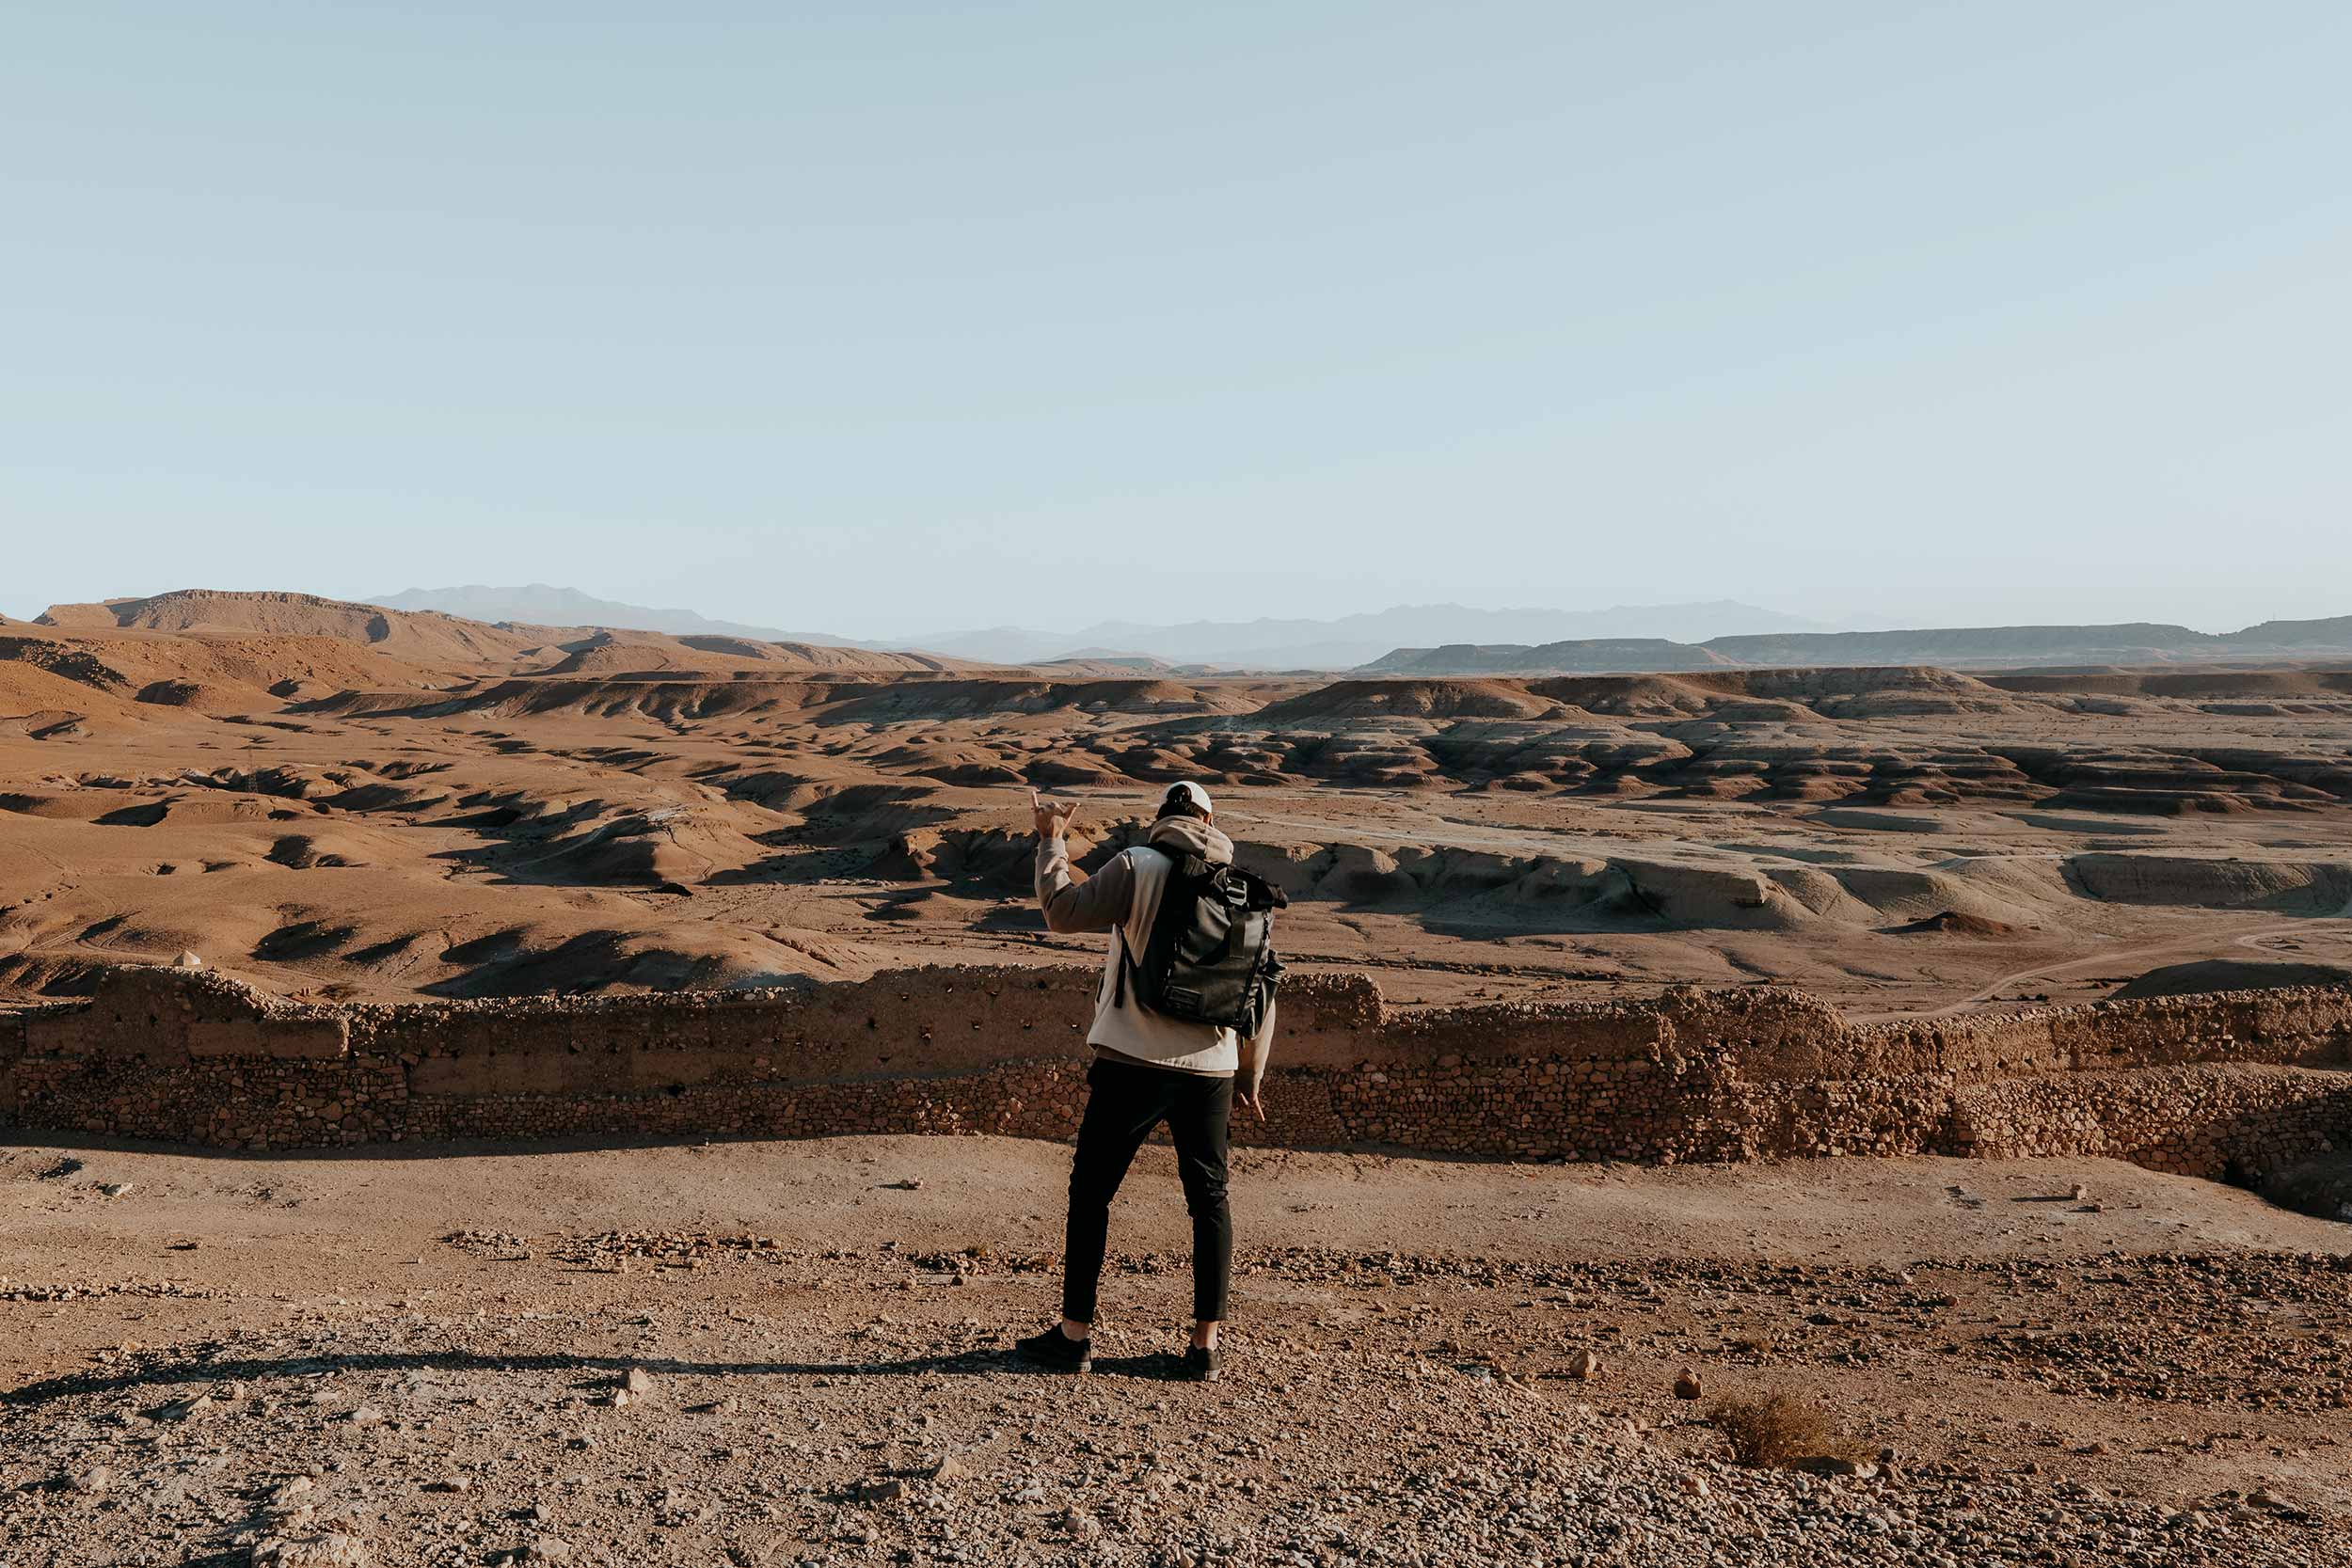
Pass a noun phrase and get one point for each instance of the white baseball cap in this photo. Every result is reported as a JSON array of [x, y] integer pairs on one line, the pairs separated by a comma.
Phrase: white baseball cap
[[1190, 791]]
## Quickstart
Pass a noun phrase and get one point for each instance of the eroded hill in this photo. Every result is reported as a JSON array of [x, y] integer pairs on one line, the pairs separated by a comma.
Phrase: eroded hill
[[349, 802]]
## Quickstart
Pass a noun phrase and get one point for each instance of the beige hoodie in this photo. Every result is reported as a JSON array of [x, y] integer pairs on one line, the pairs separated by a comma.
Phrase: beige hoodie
[[1125, 894]]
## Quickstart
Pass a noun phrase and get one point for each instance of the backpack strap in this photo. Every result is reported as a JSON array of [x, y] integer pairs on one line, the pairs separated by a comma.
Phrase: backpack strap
[[1119, 935]]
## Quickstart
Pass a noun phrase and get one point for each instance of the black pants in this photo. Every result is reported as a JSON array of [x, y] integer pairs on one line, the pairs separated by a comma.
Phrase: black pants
[[1124, 1105]]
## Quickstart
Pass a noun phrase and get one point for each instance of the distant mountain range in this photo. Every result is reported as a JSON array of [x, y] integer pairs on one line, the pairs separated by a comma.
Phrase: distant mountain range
[[1261, 644], [1954, 647], [537, 603], [1352, 639], [1452, 640]]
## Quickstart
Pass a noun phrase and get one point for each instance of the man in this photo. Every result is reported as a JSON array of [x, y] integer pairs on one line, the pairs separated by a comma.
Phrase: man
[[1148, 1069]]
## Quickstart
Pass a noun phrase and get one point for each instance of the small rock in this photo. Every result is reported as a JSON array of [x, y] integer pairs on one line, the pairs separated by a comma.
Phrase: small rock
[[882, 1489], [192, 1410], [947, 1467], [331, 1550], [547, 1548], [1584, 1366], [1687, 1385], [116, 1189], [97, 1479], [187, 960], [451, 1483], [638, 1382], [366, 1415]]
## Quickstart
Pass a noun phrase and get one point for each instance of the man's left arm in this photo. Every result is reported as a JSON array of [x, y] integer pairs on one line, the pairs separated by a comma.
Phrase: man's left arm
[[1249, 1082]]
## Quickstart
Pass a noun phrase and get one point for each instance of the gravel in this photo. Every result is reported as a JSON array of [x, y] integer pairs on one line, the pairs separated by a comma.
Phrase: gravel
[[828, 1408]]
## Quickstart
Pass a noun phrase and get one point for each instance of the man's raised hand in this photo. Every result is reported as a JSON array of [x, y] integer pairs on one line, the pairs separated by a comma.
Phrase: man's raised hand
[[1053, 816]]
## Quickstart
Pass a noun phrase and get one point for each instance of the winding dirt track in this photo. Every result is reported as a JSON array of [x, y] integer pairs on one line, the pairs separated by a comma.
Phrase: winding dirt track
[[2144, 953]]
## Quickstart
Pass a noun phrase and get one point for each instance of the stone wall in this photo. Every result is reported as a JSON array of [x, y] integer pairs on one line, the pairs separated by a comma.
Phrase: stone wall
[[2199, 1085]]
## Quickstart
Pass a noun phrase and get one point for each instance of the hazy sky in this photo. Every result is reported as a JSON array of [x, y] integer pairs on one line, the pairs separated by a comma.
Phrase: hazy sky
[[876, 318]]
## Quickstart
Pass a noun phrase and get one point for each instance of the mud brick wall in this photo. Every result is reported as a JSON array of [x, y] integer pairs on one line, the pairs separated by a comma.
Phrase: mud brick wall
[[11, 1052], [196, 1058], [2193, 1121], [2202, 1084], [2306, 1026]]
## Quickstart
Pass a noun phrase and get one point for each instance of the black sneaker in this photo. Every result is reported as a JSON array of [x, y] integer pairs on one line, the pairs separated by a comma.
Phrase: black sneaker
[[1198, 1364], [1055, 1349]]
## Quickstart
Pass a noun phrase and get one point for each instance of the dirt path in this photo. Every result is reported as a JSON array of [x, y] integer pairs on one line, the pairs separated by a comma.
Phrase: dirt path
[[2139, 956]]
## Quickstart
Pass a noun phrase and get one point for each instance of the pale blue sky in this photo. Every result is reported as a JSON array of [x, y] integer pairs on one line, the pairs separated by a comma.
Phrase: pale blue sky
[[881, 318]]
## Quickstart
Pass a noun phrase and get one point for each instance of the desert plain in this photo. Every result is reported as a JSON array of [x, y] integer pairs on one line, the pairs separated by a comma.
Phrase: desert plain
[[787, 1352]]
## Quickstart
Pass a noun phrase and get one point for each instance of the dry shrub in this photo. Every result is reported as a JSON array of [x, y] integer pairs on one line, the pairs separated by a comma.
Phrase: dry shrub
[[1779, 1431]]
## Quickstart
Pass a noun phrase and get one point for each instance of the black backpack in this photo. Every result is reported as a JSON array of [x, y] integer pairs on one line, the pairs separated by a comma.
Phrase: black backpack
[[1210, 955]]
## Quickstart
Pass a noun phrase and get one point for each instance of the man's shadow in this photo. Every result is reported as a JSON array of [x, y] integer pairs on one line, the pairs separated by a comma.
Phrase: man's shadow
[[1159, 1366], [256, 1370]]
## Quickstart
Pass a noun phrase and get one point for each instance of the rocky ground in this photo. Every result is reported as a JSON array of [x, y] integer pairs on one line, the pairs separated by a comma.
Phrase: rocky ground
[[792, 1353]]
